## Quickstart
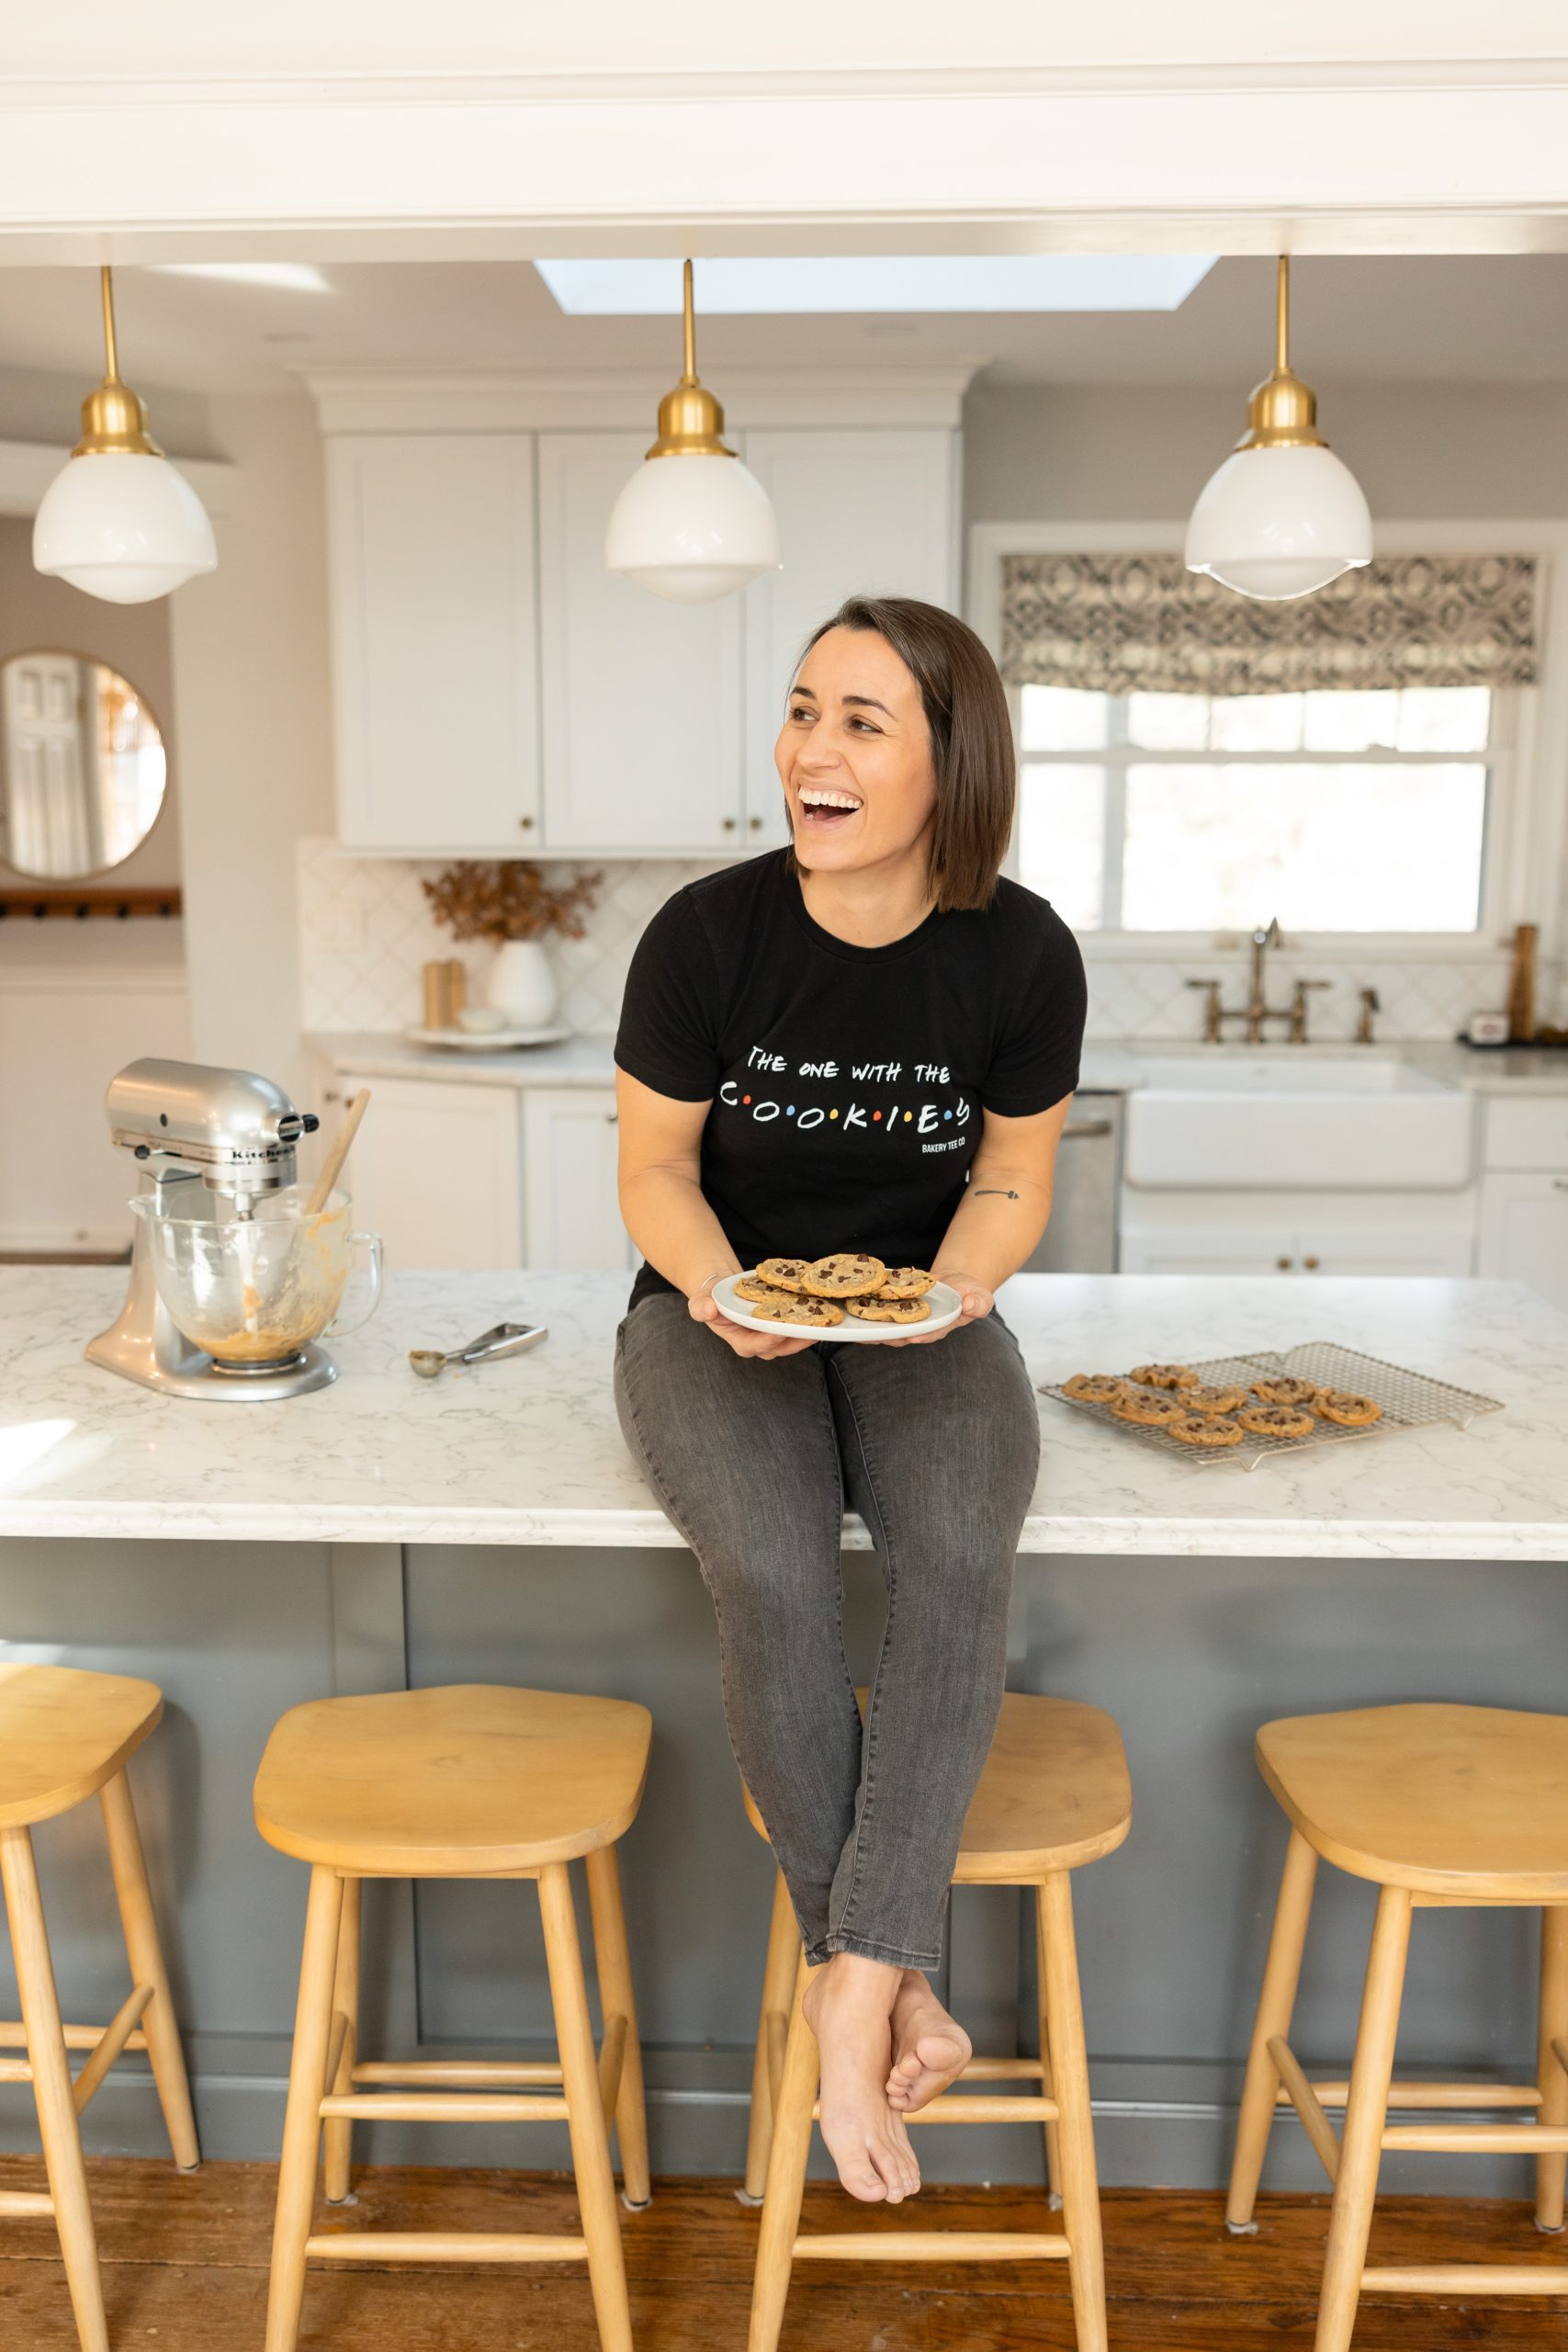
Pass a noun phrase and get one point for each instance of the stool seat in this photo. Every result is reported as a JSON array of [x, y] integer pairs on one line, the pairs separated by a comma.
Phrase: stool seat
[[464, 1781], [1054, 1793], [64, 1732], [1466, 1803]]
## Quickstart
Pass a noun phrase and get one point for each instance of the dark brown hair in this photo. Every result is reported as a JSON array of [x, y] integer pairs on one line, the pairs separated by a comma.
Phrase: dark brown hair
[[971, 731]]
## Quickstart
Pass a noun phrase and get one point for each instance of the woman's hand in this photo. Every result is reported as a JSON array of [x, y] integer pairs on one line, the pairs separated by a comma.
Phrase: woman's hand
[[975, 1301], [705, 1309]]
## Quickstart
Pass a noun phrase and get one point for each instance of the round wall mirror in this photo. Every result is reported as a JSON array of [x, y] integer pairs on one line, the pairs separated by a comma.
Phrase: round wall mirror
[[82, 766]]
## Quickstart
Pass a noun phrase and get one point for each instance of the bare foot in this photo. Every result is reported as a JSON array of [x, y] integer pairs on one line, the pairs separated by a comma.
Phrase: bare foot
[[846, 2005], [929, 2048]]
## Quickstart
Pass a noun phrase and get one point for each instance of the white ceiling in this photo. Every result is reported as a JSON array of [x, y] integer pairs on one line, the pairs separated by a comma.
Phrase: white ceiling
[[1475, 319]]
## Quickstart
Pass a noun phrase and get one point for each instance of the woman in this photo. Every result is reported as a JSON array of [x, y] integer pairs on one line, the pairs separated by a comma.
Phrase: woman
[[867, 1043]]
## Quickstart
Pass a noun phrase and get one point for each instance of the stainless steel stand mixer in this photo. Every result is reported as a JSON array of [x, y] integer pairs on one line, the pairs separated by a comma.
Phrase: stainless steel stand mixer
[[215, 1147]]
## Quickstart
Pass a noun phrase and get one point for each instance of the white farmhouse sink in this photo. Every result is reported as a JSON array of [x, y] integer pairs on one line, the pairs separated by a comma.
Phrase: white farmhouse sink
[[1292, 1120]]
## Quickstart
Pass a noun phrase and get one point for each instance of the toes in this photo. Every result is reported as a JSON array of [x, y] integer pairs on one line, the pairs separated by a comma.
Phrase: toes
[[863, 2180]]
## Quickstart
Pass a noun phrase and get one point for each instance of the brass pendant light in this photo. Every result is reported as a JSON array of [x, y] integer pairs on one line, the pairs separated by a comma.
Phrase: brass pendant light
[[1282, 516], [118, 521], [699, 529]]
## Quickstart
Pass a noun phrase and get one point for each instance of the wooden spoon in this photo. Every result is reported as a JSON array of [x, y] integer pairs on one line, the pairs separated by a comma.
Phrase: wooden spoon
[[337, 1153]]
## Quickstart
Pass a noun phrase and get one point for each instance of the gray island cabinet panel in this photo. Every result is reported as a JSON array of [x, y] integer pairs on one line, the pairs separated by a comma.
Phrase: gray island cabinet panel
[[491, 1528]]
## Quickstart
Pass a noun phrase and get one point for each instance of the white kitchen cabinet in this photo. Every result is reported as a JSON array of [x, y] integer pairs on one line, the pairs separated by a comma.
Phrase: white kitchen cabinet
[[1382, 1249], [435, 659], [569, 1165], [1303, 1235], [861, 513], [1524, 1231], [1217, 1249], [437, 1170], [641, 697]]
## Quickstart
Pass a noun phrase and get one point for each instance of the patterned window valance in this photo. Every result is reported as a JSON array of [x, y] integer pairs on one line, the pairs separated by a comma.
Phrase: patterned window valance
[[1121, 624]]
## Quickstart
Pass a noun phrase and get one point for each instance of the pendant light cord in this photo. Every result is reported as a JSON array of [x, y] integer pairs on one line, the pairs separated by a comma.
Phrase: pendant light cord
[[1283, 318], [689, 325], [106, 279]]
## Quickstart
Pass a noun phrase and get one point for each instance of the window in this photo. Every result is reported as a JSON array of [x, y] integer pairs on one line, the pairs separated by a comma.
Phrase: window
[[1337, 813]]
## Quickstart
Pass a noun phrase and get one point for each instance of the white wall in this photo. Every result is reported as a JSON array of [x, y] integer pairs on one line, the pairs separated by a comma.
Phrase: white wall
[[254, 703]]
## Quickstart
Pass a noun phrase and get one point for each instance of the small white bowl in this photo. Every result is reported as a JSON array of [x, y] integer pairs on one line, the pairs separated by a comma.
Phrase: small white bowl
[[480, 1018]]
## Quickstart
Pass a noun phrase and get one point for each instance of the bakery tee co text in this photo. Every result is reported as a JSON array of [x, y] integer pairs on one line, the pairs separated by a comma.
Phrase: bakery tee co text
[[762, 1096]]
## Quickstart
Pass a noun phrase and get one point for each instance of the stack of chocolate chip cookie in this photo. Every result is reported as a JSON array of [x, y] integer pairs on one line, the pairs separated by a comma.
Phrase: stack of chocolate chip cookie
[[1175, 1399], [820, 1291]]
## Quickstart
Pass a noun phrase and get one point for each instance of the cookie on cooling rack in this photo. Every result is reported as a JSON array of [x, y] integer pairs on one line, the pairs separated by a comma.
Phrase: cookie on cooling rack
[[1275, 1421], [1344, 1406], [1094, 1387], [1205, 1429], [1212, 1401], [1147, 1408], [1164, 1376], [1285, 1391]]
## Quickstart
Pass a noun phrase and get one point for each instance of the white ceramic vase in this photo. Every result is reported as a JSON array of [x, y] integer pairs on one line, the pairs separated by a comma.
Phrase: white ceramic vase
[[522, 984]]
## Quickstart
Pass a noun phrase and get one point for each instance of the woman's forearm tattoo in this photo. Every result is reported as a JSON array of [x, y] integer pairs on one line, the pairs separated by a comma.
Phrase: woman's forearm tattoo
[[991, 1193]]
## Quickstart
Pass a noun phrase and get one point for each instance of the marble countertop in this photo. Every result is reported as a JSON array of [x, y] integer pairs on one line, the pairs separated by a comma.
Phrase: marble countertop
[[528, 1450]]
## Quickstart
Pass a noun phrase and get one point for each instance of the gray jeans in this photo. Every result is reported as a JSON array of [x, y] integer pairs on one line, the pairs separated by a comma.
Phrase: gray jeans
[[937, 1448]]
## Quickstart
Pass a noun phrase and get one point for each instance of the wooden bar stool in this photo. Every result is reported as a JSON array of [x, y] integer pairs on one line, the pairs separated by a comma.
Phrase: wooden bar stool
[[473, 1782], [65, 1736], [1437, 1805], [1053, 1795]]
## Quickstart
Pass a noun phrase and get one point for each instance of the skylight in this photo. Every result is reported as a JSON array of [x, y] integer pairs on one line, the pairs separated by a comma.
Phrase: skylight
[[908, 282]]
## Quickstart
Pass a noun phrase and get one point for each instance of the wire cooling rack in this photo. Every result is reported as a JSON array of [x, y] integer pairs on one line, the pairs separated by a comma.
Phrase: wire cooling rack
[[1410, 1401]]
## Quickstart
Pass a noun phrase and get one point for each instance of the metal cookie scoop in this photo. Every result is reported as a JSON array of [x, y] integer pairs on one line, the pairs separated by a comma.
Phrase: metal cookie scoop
[[502, 1339]]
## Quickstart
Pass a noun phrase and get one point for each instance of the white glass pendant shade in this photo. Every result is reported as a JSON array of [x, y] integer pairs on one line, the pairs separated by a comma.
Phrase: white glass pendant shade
[[1276, 523], [122, 526], [692, 528]]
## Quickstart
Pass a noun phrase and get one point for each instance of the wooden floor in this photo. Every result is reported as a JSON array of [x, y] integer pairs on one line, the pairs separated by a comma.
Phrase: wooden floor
[[185, 2268]]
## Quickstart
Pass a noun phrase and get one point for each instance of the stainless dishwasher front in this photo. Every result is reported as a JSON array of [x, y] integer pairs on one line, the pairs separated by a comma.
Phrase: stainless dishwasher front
[[1081, 1236]]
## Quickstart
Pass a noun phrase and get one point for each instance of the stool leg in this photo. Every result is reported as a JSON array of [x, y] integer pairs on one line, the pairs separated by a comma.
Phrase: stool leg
[[786, 2175], [1047, 2082], [1058, 1959], [779, 1973], [1366, 2112], [590, 2143], [52, 2089], [302, 2117], [145, 1954], [613, 1964], [338, 2135], [1550, 2171], [1276, 2003]]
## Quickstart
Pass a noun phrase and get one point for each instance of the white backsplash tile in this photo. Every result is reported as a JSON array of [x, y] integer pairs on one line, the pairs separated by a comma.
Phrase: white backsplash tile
[[365, 929]]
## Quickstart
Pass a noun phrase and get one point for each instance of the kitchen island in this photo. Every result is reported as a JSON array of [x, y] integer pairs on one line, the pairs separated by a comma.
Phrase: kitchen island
[[489, 1526]]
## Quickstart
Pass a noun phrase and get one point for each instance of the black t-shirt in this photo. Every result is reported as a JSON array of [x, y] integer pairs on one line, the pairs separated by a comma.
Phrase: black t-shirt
[[846, 1082]]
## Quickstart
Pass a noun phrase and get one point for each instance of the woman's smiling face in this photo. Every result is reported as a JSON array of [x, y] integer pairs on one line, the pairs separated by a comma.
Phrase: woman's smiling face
[[855, 756]]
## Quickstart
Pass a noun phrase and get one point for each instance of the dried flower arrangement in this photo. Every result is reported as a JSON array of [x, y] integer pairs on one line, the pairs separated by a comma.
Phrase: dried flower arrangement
[[509, 899]]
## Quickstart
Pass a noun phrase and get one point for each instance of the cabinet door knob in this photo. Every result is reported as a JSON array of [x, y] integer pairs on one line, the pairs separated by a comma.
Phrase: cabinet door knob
[[525, 824], [729, 824], [611, 1117], [1284, 1264], [755, 823], [1310, 1264]]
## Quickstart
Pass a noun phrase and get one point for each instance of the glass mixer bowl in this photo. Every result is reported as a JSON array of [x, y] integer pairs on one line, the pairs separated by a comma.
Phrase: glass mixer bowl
[[254, 1292]]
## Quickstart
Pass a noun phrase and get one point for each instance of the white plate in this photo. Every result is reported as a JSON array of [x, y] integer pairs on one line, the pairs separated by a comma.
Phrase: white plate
[[485, 1041], [944, 1302]]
